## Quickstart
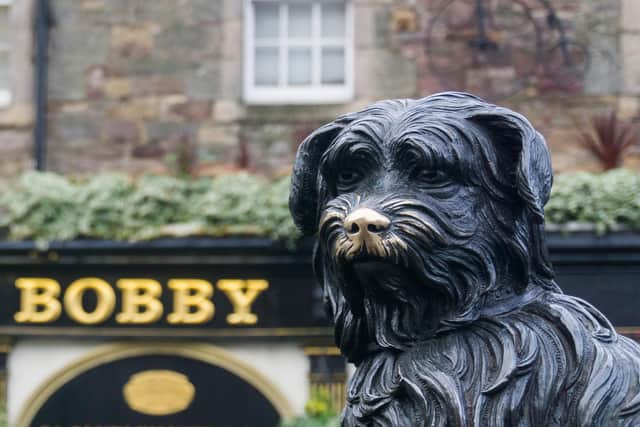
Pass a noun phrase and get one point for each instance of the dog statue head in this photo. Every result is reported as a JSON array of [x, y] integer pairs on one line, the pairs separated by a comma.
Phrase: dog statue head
[[429, 214]]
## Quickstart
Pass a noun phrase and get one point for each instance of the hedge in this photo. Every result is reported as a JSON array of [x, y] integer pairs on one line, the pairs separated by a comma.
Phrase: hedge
[[47, 206]]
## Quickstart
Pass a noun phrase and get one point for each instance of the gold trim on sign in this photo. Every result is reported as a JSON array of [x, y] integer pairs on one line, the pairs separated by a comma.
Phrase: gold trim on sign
[[322, 351], [5, 345], [158, 392], [164, 333], [104, 354]]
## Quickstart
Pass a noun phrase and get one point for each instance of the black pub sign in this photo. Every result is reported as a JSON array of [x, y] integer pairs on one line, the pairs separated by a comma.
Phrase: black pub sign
[[151, 290], [160, 309]]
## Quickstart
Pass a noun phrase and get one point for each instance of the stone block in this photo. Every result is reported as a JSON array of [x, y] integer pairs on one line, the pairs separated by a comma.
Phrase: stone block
[[183, 41], [92, 5], [232, 10], [117, 88], [231, 73], [16, 152], [168, 103], [628, 106], [213, 134], [233, 35], [180, 108], [136, 109], [149, 151], [154, 64], [162, 12], [67, 77], [14, 142], [95, 80], [205, 11], [121, 132], [67, 127], [384, 74], [16, 116], [227, 111], [630, 45], [605, 66], [133, 42], [76, 34], [163, 132], [192, 111], [203, 83], [157, 85], [71, 107], [567, 152]]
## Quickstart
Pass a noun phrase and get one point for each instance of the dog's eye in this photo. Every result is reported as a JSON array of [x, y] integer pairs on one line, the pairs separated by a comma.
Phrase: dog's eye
[[429, 176], [347, 178]]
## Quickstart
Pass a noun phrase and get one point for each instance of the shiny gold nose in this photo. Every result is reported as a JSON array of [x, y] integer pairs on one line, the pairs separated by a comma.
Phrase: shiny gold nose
[[365, 221]]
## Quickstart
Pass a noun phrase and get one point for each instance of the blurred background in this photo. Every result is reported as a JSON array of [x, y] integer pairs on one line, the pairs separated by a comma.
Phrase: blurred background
[[127, 85], [123, 121]]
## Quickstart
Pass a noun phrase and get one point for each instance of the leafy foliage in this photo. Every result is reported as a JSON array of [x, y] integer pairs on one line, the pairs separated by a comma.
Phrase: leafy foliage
[[46, 206], [319, 413], [606, 200]]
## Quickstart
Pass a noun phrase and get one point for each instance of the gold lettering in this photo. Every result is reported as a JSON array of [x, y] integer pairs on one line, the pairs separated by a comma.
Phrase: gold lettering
[[38, 300], [140, 301], [242, 294], [191, 301], [105, 300]]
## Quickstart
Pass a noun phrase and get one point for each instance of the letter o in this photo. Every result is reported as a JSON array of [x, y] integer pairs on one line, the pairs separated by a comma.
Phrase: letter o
[[105, 300]]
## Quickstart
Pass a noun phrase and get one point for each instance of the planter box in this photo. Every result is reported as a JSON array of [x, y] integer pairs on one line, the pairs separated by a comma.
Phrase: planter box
[[602, 270]]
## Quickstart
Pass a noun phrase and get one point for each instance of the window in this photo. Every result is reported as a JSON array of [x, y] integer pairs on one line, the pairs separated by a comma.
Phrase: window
[[298, 52], [5, 68]]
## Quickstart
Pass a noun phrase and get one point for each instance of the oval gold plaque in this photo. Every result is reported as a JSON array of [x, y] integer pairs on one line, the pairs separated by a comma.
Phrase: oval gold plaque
[[158, 392]]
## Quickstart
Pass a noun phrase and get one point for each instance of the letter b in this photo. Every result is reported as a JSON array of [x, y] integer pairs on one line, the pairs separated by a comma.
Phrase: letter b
[[191, 304], [38, 300]]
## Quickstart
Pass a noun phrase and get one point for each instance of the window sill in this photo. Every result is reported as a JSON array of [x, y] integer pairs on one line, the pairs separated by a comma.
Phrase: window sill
[[301, 96]]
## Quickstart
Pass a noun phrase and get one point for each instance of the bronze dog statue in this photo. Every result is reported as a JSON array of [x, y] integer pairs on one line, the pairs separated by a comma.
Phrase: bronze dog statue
[[431, 252]]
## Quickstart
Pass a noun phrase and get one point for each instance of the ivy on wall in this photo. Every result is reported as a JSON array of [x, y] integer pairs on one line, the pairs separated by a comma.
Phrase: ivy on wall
[[47, 206]]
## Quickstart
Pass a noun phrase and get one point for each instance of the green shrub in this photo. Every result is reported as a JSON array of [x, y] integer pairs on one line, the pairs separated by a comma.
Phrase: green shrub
[[319, 412], [46, 206], [606, 201]]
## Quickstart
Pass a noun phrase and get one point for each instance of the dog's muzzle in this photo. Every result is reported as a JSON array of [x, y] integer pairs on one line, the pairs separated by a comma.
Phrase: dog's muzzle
[[364, 228]]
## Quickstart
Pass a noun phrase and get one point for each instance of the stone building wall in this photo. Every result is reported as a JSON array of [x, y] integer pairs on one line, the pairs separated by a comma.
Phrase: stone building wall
[[154, 86], [16, 120]]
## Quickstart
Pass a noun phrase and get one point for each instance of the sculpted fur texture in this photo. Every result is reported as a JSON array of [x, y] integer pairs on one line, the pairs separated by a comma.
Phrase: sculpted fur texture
[[430, 222]]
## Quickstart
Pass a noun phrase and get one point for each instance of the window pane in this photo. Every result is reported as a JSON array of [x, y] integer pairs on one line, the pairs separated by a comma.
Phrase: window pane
[[332, 65], [267, 19], [299, 66], [266, 66], [333, 20], [300, 20]]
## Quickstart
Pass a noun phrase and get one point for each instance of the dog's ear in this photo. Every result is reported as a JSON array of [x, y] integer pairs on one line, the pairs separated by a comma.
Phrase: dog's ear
[[305, 180], [526, 151]]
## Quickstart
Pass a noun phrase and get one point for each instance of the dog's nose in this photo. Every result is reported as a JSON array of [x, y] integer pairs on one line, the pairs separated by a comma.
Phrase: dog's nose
[[364, 221]]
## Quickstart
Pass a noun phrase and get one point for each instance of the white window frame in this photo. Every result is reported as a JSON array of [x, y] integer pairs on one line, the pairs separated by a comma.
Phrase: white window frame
[[308, 94], [5, 93]]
